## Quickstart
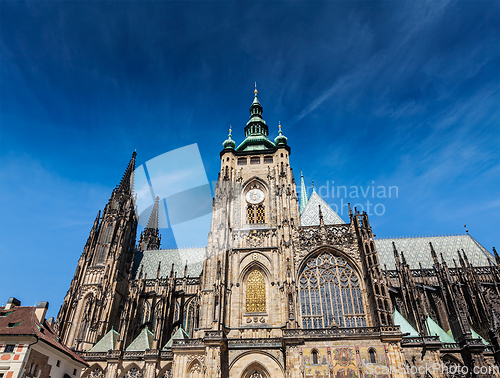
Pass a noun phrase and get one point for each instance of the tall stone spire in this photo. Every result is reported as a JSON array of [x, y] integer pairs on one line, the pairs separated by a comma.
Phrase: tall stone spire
[[126, 184], [153, 219], [303, 193]]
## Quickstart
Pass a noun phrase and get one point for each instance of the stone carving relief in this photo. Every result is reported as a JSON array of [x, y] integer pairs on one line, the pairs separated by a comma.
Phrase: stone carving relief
[[307, 239]]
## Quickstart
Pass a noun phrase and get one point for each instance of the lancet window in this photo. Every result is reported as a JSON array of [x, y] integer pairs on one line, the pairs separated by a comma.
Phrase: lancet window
[[104, 241], [255, 292], [330, 293]]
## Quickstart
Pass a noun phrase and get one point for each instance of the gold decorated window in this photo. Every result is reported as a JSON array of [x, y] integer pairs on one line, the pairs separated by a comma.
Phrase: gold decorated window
[[256, 214], [250, 215], [256, 292], [260, 215]]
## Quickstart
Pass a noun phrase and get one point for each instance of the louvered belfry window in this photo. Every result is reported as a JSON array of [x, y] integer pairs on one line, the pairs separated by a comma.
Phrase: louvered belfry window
[[330, 293], [255, 292]]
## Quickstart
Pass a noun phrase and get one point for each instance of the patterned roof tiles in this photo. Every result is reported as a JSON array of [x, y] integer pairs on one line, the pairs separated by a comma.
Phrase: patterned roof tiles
[[26, 323], [149, 261], [180, 334], [108, 342], [310, 214], [417, 250], [142, 342]]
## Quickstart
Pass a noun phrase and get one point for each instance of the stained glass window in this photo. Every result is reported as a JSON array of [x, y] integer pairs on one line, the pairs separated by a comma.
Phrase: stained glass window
[[133, 373], [96, 373], [330, 293], [256, 292]]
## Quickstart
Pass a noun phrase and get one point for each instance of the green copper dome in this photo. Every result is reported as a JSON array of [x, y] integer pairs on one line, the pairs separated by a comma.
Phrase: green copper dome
[[229, 143], [280, 140], [256, 130]]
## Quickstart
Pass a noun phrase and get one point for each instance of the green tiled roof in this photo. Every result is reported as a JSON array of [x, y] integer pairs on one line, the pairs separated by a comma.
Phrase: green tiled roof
[[149, 261], [142, 342], [417, 249], [310, 214], [256, 143], [178, 335], [435, 330], [108, 342], [474, 335], [403, 323], [478, 336]]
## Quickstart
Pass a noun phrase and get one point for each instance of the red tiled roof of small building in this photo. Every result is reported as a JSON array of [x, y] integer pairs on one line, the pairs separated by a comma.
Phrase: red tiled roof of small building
[[24, 322]]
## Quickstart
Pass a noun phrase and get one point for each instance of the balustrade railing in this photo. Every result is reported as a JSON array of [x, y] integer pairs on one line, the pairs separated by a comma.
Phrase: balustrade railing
[[340, 332]]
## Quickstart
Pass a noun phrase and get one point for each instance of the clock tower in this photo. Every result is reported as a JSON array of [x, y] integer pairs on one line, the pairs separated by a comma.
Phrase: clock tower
[[246, 285]]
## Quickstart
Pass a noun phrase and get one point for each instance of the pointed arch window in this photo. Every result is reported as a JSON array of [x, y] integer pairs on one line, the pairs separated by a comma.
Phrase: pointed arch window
[[373, 356], [105, 241], [255, 292], [315, 357], [146, 312], [330, 294], [85, 322], [188, 321]]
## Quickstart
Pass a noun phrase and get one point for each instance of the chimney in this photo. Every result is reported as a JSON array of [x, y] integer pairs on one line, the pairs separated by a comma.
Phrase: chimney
[[41, 310], [12, 302]]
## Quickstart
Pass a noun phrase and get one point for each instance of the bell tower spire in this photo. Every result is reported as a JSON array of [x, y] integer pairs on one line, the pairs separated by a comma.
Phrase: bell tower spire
[[256, 124]]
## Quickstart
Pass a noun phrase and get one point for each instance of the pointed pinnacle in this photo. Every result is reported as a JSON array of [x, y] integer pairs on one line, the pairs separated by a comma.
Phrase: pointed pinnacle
[[497, 258], [433, 253], [396, 255], [127, 184], [153, 219], [321, 221]]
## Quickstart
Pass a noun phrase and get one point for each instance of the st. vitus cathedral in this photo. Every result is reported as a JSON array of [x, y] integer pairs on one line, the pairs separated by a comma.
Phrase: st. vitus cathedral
[[285, 288]]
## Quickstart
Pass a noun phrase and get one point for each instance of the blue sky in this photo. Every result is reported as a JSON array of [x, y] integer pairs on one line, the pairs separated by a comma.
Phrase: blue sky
[[369, 93]]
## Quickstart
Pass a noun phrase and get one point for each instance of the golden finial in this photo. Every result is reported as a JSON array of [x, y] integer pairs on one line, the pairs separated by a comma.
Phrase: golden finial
[[256, 91]]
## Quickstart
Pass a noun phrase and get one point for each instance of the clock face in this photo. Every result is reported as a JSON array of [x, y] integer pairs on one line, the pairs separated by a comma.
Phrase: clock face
[[255, 196]]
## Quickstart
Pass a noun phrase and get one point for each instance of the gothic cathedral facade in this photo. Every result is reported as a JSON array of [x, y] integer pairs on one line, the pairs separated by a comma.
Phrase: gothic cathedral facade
[[286, 289]]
